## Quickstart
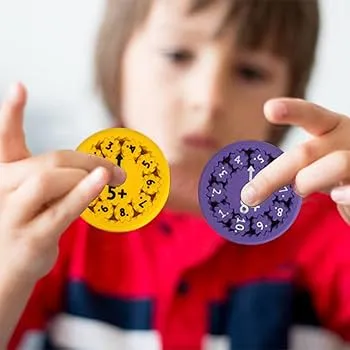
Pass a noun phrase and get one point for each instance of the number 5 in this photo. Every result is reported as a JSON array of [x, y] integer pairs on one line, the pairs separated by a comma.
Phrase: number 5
[[111, 191]]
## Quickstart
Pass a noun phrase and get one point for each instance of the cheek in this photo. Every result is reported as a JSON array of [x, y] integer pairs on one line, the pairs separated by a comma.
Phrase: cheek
[[148, 102], [245, 120]]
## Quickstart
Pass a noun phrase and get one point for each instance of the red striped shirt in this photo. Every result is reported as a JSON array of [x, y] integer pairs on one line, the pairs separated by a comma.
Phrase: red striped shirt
[[181, 281]]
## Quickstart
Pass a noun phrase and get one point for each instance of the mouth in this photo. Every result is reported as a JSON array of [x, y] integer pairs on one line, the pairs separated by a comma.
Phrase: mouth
[[200, 142]]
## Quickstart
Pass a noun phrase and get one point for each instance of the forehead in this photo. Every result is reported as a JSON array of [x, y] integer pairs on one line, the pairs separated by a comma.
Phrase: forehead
[[256, 25], [176, 17]]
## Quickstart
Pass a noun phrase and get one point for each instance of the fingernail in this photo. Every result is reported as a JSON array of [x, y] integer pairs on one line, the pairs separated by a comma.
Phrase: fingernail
[[295, 189], [249, 195], [340, 196], [119, 176], [281, 109], [12, 94], [97, 176], [275, 109]]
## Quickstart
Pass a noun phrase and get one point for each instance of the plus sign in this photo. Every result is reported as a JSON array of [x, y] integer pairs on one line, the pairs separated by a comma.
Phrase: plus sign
[[122, 193]]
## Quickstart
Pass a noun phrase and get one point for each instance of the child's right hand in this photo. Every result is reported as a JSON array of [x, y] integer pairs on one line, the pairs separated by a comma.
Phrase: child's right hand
[[40, 196]]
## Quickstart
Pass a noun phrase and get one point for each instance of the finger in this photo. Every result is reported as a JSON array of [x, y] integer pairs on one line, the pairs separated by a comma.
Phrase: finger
[[67, 209], [284, 169], [12, 139], [324, 173], [85, 161], [41, 189], [281, 172], [341, 195], [315, 119], [65, 159]]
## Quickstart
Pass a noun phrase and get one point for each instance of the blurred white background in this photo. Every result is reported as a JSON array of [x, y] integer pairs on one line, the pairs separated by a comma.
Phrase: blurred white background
[[48, 45]]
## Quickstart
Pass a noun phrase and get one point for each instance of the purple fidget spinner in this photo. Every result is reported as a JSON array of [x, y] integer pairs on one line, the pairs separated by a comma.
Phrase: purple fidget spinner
[[220, 195]]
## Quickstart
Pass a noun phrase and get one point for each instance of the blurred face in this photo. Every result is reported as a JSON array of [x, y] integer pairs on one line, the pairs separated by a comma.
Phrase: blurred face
[[193, 91]]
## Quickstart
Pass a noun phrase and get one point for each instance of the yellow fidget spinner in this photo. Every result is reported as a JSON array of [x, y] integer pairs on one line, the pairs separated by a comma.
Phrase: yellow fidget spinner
[[143, 195]]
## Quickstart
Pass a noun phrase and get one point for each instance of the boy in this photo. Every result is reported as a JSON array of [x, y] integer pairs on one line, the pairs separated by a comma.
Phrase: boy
[[194, 75]]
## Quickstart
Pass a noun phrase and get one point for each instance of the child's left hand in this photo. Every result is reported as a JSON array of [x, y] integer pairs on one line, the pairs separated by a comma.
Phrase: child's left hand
[[321, 164]]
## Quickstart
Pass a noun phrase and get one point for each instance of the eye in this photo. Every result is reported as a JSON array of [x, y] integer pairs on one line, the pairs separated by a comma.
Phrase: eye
[[251, 73], [178, 56]]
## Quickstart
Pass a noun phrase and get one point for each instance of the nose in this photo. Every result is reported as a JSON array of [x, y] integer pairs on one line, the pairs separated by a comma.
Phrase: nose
[[207, 85]]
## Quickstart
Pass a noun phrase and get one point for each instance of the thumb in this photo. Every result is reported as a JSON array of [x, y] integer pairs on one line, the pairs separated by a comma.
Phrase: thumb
[[12, 139]]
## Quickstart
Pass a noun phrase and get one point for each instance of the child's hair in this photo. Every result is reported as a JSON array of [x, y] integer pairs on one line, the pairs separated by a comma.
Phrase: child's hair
[[287, 27]]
